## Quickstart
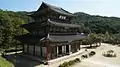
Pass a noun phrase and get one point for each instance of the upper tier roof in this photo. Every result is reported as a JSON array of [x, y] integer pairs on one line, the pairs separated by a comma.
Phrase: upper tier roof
[[54, 8], [63, 24], [50, 22]]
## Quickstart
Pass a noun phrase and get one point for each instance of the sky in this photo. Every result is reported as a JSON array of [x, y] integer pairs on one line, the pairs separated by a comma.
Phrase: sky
[[93, 7]]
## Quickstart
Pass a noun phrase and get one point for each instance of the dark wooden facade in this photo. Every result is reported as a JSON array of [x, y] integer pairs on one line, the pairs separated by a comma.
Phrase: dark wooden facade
[[50, 33]]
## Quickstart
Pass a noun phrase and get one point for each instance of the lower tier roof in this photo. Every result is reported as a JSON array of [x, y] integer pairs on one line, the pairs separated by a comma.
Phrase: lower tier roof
[[66, 38], [30, 39]]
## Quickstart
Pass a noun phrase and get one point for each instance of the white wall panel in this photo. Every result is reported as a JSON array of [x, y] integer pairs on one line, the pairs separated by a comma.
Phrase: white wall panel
[[37, 50], [31, 48], [44, 51]]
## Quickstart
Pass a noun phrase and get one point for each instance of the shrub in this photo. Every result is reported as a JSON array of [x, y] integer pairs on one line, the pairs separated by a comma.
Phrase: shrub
[[67, 64], [109, 53], [77, 60], [45, 63], [71, 62], [92, 53], [84, 56], [61, 65]]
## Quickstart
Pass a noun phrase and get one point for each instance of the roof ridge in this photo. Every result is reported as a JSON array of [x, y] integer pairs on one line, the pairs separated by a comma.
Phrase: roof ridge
[[50, 5], [56, 9], [63, 24]]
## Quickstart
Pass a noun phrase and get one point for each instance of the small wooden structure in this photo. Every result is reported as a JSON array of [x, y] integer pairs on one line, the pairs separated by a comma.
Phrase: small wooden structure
[[50, 33]]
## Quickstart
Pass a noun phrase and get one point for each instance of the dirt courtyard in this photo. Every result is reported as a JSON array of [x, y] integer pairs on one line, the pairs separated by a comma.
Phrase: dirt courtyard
[[99, 60]]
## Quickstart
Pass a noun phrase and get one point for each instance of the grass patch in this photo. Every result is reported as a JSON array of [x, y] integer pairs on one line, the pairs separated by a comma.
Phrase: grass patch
[[5, 63]]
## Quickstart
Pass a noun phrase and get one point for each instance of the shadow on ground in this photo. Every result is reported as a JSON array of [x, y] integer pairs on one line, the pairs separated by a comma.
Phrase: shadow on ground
[[21, 61]]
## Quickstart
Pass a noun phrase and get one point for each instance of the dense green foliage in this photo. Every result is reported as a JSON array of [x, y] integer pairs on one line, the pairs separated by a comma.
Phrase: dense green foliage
[[98, 24], [10, 27], [101, 28], [5, 63]]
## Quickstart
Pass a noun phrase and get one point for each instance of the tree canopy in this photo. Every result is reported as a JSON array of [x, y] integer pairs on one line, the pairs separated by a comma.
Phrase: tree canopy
[[98, 24], [10, 27]]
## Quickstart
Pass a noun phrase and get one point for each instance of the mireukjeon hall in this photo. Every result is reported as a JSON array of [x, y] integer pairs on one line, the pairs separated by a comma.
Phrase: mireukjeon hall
[[50, 33]]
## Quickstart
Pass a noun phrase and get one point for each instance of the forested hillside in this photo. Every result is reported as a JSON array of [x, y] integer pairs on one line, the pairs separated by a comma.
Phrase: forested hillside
[[9, 27], [10, 22], [98, 24]]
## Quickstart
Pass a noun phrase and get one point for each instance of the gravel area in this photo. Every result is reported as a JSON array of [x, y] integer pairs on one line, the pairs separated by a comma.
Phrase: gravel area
[[99, 60]]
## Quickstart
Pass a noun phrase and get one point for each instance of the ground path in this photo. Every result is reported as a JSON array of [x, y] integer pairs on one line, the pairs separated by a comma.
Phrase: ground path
[[95, 61], [58, 61], [100, 61]]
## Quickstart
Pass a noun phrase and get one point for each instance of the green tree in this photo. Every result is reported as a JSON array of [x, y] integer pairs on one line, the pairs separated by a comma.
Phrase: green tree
[[10, 27]]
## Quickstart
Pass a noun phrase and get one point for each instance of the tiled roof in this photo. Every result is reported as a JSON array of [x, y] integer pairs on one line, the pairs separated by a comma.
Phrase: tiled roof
[[64, 38], [48, 22], [68, 38], [56, 9], [29, 39], [54, 38], [63, 24]]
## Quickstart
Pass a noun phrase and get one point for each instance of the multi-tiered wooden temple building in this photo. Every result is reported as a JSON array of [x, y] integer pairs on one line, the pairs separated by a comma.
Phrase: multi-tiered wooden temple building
[[50, 33]]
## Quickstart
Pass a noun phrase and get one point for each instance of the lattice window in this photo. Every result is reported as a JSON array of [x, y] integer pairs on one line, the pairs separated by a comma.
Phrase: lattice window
[[62, 17]]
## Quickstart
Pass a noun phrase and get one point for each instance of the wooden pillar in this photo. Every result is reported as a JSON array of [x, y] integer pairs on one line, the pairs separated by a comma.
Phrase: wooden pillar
[[80, 47], [41, 51], [34, 50], [57, 50], [76, 48], [23, 48], [27, 48], [49, 50], [69, 48], [65, 49], [41, 44]]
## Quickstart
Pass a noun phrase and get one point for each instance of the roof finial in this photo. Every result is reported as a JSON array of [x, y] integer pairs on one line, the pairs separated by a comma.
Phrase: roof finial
[[43, 2]]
